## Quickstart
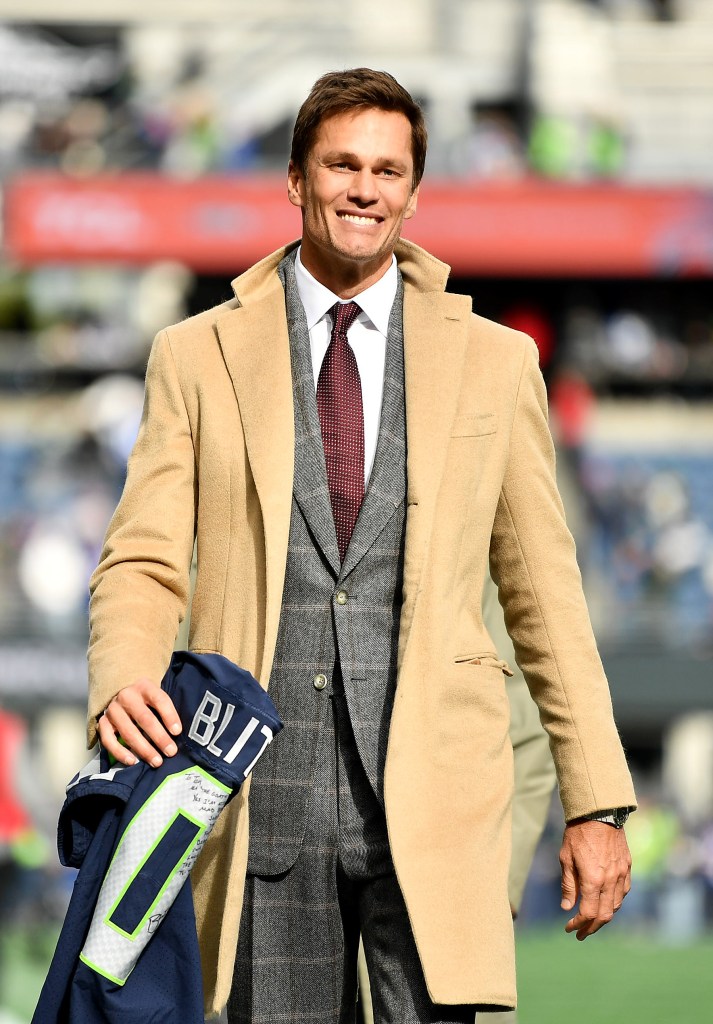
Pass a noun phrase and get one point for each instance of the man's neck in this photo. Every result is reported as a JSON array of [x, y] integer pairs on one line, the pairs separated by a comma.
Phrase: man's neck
[[345, 279]]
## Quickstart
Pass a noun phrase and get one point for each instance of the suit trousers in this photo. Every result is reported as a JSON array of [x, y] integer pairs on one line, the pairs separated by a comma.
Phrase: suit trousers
[[299, 931]]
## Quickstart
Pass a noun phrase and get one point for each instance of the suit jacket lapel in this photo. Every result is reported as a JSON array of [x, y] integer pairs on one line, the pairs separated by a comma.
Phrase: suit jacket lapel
[[310, 488], [386, 487]]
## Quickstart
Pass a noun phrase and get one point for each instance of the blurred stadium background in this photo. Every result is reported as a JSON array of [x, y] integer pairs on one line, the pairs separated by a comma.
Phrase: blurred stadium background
[[143, 148]]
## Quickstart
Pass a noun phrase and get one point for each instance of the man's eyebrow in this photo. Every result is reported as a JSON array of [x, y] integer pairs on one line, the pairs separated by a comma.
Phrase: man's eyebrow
[[345, 156], [338, 154]]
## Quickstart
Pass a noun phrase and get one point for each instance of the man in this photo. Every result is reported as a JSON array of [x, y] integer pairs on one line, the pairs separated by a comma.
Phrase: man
[[344, 505]]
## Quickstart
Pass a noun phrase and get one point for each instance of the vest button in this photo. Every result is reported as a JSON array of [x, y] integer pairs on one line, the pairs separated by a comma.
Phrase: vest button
[[341, 597], [320, 681]]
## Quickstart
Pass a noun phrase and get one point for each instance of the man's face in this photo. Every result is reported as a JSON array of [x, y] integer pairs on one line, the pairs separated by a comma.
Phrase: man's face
[[355, 194]]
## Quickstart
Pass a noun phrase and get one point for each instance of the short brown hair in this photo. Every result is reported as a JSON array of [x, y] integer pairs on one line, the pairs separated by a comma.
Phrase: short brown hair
[[357, 89]]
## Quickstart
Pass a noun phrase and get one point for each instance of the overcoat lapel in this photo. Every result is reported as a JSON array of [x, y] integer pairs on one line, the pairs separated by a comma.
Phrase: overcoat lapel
[[435, 340], [255, 346]]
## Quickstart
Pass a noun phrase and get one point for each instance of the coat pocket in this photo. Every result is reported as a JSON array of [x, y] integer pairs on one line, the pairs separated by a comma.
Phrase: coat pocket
[[472, 718], [488, 660], [475, 425]]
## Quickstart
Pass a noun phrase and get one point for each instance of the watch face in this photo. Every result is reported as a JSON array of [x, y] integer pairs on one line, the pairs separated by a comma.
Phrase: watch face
[[620, 816]]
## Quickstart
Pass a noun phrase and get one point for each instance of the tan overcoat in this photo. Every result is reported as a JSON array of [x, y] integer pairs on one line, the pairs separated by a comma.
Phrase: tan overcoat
[[214, 462]]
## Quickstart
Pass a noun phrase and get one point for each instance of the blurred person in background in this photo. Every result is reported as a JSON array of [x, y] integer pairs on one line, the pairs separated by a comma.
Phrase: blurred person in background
[[15, 823], [655, 830], [349, 447], [24, 855]]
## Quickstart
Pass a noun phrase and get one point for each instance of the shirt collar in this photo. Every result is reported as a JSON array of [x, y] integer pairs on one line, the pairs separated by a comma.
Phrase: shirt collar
[[376, 301]]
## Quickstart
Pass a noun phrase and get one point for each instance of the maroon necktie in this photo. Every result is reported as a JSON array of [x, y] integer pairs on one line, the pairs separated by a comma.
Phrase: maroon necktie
[[342, 419]]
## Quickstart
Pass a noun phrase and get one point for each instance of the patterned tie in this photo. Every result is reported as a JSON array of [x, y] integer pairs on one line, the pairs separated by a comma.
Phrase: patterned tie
[[342, 419]]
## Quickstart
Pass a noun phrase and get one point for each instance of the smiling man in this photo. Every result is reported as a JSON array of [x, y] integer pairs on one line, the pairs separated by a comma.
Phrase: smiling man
[[349, 447], [356, 185]]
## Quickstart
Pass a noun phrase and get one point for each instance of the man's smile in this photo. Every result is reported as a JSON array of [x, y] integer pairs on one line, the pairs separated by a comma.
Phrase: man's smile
[[360, 218]]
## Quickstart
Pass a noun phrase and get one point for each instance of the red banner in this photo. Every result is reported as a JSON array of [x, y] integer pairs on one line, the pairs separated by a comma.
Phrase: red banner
[[222, 225]]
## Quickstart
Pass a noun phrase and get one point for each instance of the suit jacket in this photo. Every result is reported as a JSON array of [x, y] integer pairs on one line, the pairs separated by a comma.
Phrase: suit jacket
[[214, 460], [354, 642]]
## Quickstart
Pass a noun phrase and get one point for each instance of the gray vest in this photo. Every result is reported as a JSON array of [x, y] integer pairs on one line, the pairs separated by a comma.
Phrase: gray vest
[[337, 621]]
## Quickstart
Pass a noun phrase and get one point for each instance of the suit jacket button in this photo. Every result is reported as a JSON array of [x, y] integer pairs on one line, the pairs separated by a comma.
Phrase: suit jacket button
[[341, 597], [320, 681]]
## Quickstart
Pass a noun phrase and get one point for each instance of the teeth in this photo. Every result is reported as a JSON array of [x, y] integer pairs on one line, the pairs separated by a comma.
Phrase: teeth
[[354, 219]]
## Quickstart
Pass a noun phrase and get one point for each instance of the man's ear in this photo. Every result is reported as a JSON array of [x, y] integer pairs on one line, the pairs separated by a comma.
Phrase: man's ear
[[295, 185], [411, 204]]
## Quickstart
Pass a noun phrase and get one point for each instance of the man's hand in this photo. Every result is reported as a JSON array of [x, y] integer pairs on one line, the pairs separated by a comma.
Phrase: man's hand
[[139, 715], [596, 869]]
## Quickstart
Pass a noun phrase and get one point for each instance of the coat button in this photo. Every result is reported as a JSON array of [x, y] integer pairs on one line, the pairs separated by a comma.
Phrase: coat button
[[320, 681], [341, 597]]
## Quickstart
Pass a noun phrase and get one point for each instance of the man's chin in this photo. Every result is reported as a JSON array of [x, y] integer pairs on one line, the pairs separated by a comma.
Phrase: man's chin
[[362, 254]]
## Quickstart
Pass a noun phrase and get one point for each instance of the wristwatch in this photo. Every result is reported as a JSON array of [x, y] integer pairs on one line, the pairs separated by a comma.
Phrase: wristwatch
[[615, 816]]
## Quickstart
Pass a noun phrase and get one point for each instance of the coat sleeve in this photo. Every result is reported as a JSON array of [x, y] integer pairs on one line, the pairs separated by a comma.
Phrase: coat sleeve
[[139, 590], [533, 561]]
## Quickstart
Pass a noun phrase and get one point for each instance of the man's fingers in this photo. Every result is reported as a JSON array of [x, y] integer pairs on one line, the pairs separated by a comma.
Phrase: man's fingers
[[596, 908], [126, 727], [584, 927], [137, 715], [570, 890], [598, 858], [110, 742], [151, 726], [162, 703], [623, 885], [599, 901], [620, 892]]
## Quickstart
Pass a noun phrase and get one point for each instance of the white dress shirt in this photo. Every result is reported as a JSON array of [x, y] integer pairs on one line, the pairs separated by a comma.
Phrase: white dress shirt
[[366, 337]]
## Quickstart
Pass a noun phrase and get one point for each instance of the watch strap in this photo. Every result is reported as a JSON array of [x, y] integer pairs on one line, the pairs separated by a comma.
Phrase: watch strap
[[614, 816]]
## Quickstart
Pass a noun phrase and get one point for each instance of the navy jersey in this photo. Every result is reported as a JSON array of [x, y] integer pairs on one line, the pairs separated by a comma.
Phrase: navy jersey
[[128, 949]]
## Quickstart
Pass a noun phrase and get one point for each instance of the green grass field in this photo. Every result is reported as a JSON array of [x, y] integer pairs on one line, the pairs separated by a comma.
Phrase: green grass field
[[612, 978], [24, 959]]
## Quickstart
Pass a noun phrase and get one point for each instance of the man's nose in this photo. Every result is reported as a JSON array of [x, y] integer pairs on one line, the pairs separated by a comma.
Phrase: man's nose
[[364, 186]]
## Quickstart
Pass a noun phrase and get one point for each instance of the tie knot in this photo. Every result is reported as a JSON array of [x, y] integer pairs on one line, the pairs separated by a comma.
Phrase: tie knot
[[343, 316]]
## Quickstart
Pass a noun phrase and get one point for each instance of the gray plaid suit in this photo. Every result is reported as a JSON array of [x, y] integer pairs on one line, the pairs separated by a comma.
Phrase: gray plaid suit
[[319, 867]]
